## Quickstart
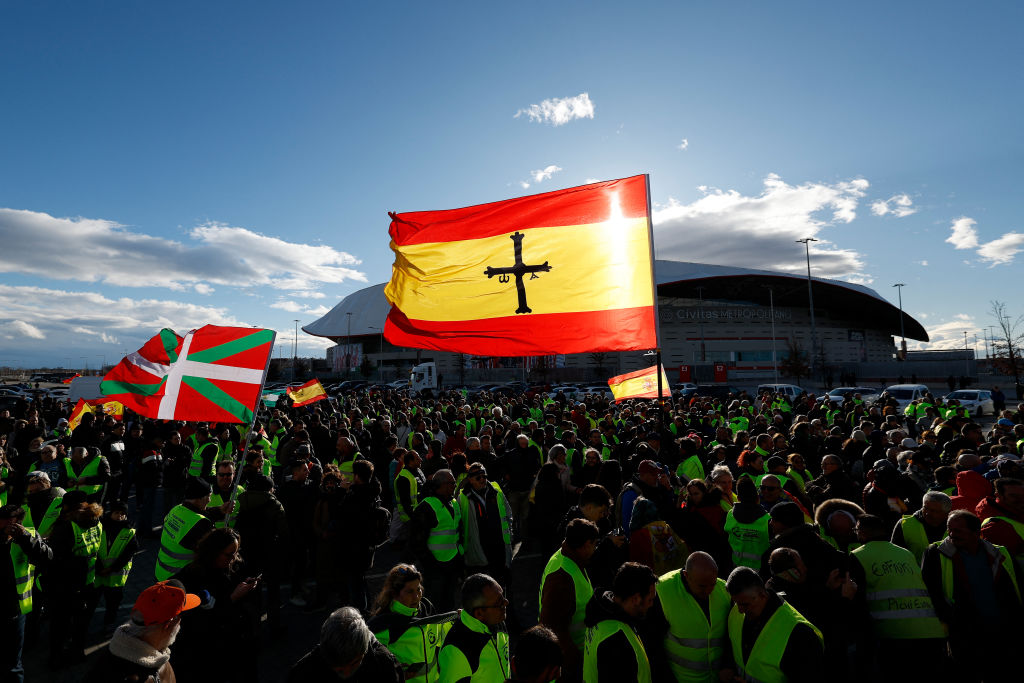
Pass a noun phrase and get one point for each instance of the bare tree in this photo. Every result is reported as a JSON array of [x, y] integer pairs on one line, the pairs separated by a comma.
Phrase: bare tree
[[1006, 347], [794, 364]]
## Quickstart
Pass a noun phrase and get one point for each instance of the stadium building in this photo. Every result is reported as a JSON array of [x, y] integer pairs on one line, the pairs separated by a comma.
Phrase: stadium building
[[739, 321]]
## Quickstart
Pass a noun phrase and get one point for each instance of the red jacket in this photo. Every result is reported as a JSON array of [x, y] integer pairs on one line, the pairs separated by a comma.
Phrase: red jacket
[[997, 531]]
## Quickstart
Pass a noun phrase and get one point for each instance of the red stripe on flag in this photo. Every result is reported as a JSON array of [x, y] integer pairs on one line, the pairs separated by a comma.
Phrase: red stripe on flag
[[619, 379], [573, 206], [532, 335]]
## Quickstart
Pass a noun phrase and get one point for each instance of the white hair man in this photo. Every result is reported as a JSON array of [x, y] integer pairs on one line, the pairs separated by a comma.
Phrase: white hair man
[[347, 651]]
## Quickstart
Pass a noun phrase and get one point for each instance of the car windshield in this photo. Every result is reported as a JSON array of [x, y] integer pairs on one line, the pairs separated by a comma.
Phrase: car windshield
[[964, 395], [900, 394]]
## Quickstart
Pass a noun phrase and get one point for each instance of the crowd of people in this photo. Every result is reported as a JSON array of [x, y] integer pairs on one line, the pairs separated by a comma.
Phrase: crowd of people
[[751, 538]]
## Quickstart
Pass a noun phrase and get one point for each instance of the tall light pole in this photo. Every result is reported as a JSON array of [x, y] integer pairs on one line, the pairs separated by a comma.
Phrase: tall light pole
[[967, 356], [348, 343], [380, 356], [771, 312], [903, 338], [991, 346], [810, 297], [700, 321], [295, 352]]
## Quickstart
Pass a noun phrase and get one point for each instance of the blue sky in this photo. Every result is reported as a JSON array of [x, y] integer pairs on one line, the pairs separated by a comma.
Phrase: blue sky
[[173, 164]]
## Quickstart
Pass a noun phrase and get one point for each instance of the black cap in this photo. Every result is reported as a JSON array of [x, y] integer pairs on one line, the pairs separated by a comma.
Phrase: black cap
[[197, 488]]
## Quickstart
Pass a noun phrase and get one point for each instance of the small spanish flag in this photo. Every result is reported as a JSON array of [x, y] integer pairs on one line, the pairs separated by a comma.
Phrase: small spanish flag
[[310, 392], [95, 405], [640, 384], [568, 271], [69, 379]]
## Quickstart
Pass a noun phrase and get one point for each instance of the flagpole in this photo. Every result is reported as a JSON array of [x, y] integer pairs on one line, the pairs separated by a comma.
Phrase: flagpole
[[252, 428], [654, 293]]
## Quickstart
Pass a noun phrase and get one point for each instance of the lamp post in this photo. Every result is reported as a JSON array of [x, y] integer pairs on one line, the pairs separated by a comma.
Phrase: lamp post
[[771, 312], [380, 356], [700, 322], [903, 339], [348, 342], [810, 297], [295, 352], [967, 357], [103, 357], [990, 344], [85, 364]]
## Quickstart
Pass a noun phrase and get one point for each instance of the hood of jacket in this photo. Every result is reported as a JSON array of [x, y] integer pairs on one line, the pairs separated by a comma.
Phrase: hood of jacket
[[136, 651], [833, 505], [602, 606], [972, 486], [745, 513]]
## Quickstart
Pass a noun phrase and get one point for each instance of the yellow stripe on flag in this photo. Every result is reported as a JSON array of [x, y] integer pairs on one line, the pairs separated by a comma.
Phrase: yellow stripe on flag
[[307, 393], [594, 267], [639, 384]]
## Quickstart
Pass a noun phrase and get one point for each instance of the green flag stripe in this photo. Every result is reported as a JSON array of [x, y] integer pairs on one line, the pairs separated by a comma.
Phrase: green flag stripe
[[214, 394], [222, 351], [170, 342], [111, 387]]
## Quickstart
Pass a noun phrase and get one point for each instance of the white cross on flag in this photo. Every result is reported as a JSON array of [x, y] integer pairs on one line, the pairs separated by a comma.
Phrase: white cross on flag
[[213, 374]]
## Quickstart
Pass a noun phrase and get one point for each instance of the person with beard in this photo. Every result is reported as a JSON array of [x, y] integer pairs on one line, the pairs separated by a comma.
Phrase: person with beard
[[228, 618], [118, 545], [71, 578], [113, 448], [359, 502], [139, 651]]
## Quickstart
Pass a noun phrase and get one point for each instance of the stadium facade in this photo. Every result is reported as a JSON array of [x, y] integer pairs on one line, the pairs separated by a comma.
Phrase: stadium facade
[[735, 320]]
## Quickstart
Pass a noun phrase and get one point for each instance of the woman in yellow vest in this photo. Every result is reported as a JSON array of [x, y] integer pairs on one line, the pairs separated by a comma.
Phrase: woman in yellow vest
[[114, 561], [400, 623]]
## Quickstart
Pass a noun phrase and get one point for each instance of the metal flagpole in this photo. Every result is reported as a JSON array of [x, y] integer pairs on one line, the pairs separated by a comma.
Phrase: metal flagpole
[[248, 437], [654, 292]]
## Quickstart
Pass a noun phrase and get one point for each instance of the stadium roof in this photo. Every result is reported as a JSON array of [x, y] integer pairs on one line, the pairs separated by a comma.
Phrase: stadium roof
[[363, 312]]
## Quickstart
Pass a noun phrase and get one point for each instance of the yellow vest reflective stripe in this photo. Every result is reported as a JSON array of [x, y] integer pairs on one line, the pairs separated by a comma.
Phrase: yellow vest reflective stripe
[[216, 500], [414, 490], [763, 665], [443, 540], [946, 564], [108, 555], [91, 469], [23, 572], [195, 468], [49, 517], [748, 541], [604, 630], [581, 586], [87, 545], [172, 556], [693, 646], [898, 602], [915, 536]]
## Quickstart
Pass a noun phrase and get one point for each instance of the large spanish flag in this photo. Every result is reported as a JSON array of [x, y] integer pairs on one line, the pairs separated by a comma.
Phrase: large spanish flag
[[310, 392], [640, 384], [561, 272]]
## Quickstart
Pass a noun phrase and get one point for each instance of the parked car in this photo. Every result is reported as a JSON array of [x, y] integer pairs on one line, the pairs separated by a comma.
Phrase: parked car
[[977, 401], [906, 393], [867, 394], [791, 391], [398, 384], [686, 389]]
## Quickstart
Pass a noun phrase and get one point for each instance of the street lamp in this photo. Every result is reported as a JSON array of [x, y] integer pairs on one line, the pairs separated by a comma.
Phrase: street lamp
[[380, 356], [810, 297], [85, 364], [903, 339], [771, 312], [967, 356], [348, 342], [295, 352]]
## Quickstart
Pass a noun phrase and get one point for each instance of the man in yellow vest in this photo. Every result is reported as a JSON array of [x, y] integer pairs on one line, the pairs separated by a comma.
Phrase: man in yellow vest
[[977, 595], [221, 509], [565, 591], [692, 610], [42, 503], [113, 564], [747, 527], [183, 526], [613, 650], [1002, 517], [86, 472], [905, 632], [409, 483], [769, 641], [475, 650], [22, 550], [926, 526], [436, 540], [485, 521]]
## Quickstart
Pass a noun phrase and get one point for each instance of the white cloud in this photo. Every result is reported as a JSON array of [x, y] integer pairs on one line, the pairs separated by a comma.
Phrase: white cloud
[[545, 173], [922, 263], [14, 329], [216, 254], [684, 144], [964, 234], [727, 227], [899, 205], [302, 294], [523, 184], [950, 334], [1002, 250], [997, 252], [290, 306], [560, 110], [588, 181]]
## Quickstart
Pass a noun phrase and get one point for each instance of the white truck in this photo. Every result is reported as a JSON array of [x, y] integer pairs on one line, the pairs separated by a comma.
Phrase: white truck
[[423, 378], [84, 387]]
